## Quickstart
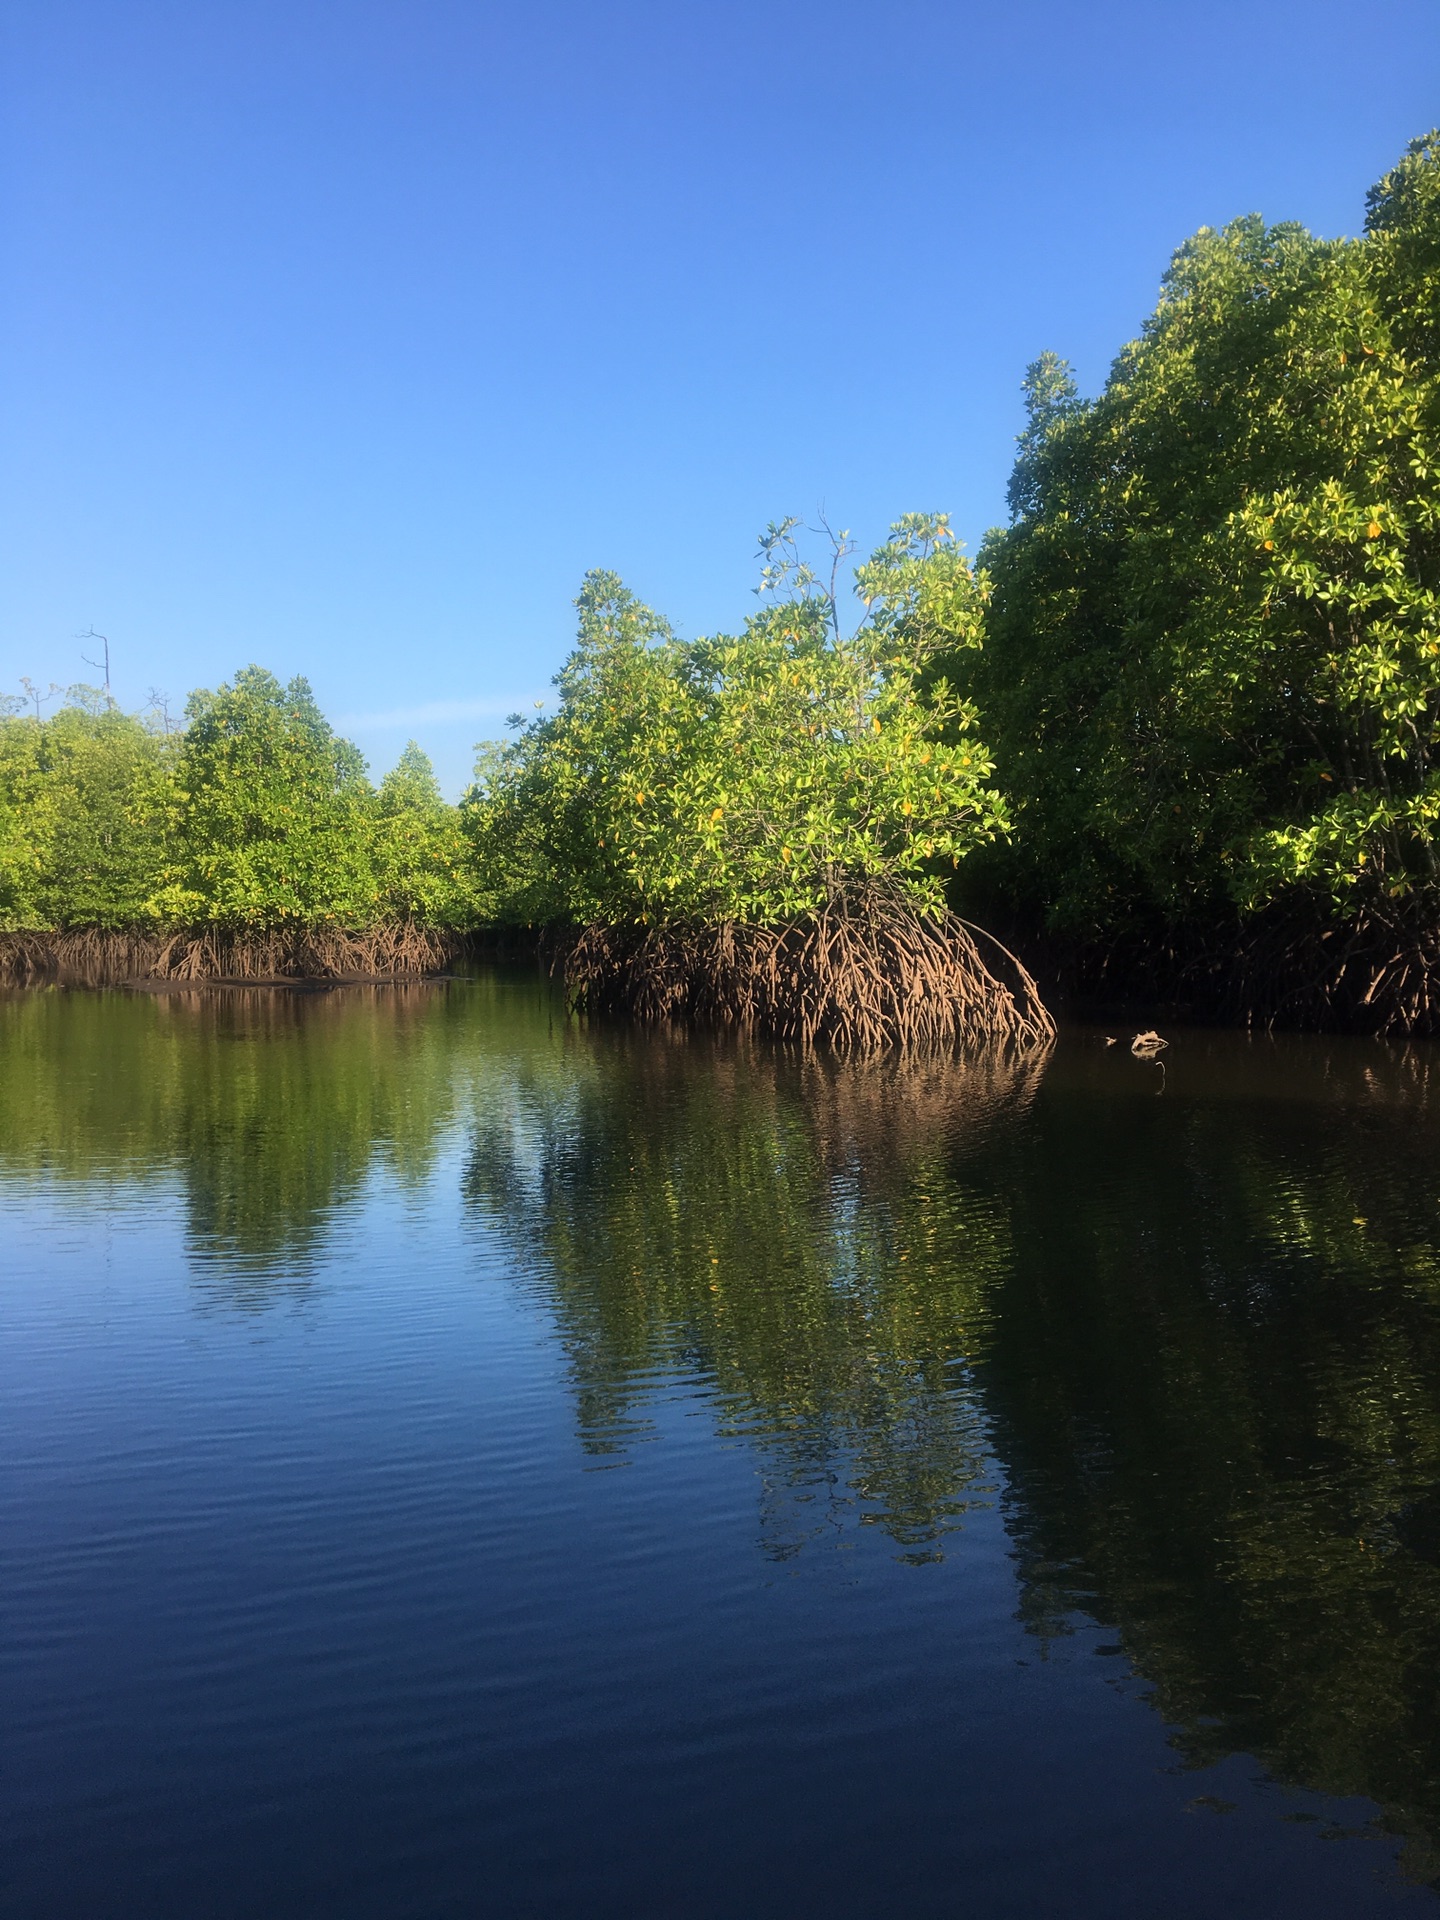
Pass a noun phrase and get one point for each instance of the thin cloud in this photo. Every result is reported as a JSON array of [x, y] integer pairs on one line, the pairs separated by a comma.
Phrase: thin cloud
[[432, 713]]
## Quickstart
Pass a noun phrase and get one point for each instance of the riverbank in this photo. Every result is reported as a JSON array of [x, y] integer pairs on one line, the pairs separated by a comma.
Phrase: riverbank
[[853, 987], [98, 957]]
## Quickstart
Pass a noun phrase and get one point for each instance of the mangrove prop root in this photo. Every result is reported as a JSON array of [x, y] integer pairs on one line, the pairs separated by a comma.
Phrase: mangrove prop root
[[1378, 971], [863, 973], [94, 957]]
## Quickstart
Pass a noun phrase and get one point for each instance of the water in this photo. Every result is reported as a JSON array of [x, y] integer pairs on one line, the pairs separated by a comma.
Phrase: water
[[455, 1462]]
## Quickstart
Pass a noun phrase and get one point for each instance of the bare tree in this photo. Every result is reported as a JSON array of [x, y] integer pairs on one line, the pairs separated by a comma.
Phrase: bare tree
[[102, 665], [34, 693]]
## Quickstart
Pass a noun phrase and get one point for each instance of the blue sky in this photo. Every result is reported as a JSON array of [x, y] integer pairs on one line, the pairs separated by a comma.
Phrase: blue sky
[[344, 335]]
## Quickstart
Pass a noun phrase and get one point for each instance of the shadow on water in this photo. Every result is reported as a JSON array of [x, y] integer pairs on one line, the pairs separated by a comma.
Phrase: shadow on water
[[1191, 1342], [1215, 1384]]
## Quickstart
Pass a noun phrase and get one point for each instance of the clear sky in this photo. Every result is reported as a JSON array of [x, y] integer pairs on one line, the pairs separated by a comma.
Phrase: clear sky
[[344, 335]]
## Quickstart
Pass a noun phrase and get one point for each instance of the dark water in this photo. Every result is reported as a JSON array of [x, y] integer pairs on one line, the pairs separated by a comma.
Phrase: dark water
[[457, 1463]]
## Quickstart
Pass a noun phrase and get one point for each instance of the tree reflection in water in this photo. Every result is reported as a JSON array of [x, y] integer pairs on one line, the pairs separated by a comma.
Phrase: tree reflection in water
[[788, 1236], [1215, 1384], [1199, 1336], [1192, 1342], [268, 1108]]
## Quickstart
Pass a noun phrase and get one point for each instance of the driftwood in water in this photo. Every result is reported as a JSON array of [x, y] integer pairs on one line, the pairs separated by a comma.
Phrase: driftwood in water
[[864, 972], [95, 957]]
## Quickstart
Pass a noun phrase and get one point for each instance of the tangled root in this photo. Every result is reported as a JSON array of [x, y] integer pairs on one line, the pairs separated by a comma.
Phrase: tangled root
[[92, 957], [1296, 964], [863, 973], [1379, 973]]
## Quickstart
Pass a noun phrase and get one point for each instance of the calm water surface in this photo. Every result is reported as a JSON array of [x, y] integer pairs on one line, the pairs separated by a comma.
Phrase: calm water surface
[[455, 1462]]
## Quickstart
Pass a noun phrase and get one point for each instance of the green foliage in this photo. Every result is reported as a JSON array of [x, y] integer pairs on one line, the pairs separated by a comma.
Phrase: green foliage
[[1211, 673], [269, 813], [1051, 398], [748, 777], [257, 818], [80, 816], [422, 858], [21, 860]]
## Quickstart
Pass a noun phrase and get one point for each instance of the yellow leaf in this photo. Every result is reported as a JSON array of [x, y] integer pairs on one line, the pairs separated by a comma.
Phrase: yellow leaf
[[1372, 532]]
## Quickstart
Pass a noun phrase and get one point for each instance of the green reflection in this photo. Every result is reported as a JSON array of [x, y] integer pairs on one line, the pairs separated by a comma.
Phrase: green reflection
[[1216, 1385], [1199, 1331], [786, 1234], [268, 1110]]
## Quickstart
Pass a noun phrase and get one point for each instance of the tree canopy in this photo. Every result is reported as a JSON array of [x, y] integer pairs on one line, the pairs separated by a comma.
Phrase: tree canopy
[[748, 777], [1210, 672], [81, 794], [256, 817]]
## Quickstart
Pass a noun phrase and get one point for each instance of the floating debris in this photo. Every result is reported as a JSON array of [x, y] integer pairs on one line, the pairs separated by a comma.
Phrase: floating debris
[[1145, 1046]]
